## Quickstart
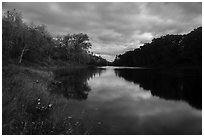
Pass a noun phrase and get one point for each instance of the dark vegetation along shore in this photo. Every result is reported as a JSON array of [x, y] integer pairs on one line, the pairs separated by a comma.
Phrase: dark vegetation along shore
[[35, 65], [32, 61], [166, 51]]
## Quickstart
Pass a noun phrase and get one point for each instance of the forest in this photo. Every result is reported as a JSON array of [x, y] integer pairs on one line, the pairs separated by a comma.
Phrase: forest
[[23, 43], [166, 51]]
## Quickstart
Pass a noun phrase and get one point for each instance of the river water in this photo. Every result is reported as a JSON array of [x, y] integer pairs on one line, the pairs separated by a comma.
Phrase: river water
[[122, 100]]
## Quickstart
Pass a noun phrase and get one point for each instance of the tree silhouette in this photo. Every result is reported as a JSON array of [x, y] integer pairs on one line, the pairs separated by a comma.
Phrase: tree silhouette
[[166, 51]]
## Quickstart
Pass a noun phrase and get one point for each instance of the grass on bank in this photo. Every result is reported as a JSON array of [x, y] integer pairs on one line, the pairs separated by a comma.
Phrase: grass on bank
[[29, 108]]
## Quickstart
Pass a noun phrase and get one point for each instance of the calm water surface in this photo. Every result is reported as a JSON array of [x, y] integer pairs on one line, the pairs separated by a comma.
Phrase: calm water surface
[[107, 100], [114, 100]]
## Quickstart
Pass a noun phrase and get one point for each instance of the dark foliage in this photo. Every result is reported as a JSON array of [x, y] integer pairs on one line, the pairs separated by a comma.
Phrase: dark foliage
[[31, 43], [166, 51]]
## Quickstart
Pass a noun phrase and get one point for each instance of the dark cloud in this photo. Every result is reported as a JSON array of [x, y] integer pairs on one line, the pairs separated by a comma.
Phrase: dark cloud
[[114, 27]]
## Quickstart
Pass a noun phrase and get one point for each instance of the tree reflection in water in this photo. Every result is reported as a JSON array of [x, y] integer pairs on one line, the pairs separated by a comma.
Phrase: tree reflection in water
[[34, 110], [72, 84], [30, 108], [183, 85]]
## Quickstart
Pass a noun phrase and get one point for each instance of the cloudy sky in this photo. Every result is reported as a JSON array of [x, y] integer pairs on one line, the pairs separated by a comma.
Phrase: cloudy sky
[[114, 28]]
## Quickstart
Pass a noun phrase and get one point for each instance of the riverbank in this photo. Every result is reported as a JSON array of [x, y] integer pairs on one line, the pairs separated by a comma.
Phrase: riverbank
[[50, 100], [27, 104]]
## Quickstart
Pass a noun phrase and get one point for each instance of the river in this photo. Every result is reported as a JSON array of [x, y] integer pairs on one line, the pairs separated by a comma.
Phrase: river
[[122, 100]]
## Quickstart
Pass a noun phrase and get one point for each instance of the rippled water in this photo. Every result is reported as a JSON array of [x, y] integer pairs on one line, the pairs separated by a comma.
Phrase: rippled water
[[140, 101]]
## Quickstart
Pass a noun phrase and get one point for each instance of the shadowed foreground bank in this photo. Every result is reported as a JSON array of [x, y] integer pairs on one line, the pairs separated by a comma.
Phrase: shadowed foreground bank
[[31, 105]]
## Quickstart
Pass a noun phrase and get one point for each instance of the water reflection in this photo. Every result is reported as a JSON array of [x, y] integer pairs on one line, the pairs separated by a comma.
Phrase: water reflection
[[115, 101], [43, 107], [117, 98], [174, 85], [72, 84], [125, 107]]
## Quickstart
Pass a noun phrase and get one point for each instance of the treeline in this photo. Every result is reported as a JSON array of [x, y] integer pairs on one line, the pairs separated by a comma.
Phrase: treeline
[[166, 51], [33, 43]]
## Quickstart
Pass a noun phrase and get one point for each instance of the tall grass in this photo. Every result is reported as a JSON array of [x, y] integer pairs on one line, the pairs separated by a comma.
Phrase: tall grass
[[29, 108]]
